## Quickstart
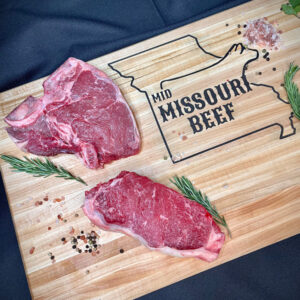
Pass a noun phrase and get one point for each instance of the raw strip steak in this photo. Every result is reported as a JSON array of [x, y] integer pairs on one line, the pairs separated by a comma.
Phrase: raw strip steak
[[159, 217], [82, 112]]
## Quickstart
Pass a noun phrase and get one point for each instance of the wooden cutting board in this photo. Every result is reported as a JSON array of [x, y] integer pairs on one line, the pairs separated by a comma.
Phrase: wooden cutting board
[[243, 151]]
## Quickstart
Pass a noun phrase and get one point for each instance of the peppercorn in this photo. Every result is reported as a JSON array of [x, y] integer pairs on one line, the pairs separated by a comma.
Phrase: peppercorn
[[90, 250], [121, 250], [52, 257], [239, 32], [79, 250], [82, 232], [63, 239], [274, 69], [87, 246], [74, 246]]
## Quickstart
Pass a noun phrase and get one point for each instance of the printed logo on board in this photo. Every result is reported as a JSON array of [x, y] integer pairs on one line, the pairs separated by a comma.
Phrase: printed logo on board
[[201, 101]]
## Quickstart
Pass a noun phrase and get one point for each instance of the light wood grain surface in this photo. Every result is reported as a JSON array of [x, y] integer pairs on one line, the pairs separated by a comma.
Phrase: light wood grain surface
[[254, 180]]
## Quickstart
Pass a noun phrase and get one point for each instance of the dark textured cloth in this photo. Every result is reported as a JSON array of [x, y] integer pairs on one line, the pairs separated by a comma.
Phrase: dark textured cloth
[[36, 37]]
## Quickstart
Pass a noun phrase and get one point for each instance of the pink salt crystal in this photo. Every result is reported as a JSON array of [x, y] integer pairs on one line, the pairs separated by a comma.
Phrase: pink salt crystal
[[261, 33]]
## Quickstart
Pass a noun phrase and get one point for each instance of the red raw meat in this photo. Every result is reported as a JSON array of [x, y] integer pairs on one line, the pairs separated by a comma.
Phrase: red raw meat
[[159, 217], [82, 112]]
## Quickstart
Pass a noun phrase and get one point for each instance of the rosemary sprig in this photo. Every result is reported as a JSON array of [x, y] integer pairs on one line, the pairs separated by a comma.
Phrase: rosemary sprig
[[292, 89], [39, 168], [189, 191]]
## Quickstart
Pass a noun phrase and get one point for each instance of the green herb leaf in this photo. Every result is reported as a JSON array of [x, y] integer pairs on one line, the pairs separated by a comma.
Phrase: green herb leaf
[[288, 9], [39, 168], [292, 89], [187, 189], [297, 9], [294, 3]]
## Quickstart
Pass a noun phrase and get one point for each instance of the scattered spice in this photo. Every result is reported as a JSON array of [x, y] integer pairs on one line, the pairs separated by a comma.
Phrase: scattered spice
[[87, 272], [72, 230], [239, 32], [59, 217], [227, 24], [225, 186], [57, 200], [239, 26], [121, 250], [76, 215], [31, 250], [184, 138], [165, 157], [268, 58], [245, 25], [46, 198], [49, 228], [282, 84], [63, 239], [274, 69], [74, 246], [52, 257]]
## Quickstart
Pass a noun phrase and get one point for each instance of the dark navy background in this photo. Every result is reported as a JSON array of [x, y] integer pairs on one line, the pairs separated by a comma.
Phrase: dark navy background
[[36, 37]]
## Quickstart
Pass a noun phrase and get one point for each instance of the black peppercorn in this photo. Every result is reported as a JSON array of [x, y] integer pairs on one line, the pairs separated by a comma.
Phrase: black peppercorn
[[121, 250], [52, 257], [63, 239], [74, 246]]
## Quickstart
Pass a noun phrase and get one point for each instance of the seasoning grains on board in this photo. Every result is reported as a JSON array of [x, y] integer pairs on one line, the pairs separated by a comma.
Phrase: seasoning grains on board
[[261, 33]]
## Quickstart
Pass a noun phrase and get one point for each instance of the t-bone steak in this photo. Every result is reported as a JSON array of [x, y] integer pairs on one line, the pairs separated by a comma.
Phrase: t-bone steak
[[159, 217], [82, 112]]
